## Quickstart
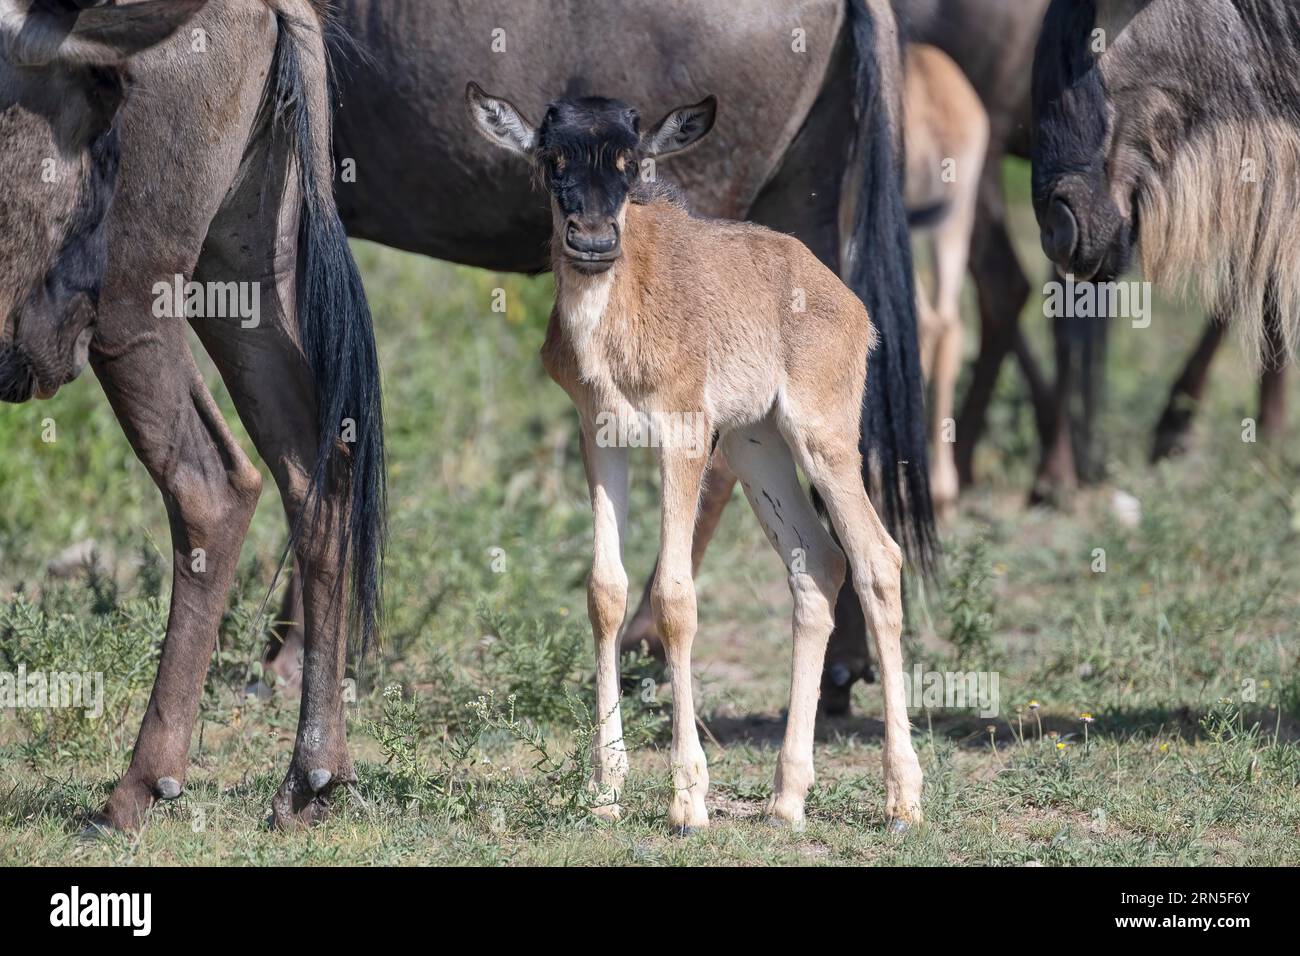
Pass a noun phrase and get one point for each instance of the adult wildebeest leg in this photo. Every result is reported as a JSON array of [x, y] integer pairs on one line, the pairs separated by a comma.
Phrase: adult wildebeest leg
[[284, 652], [1089, 450], [1176, 420], [270, 383], [1002, 290], [1272, 379], [148, 373], [816, 567], [285, 232], [268, 379], [673, 598], [210, 489], [1056, 472], [606, 469]]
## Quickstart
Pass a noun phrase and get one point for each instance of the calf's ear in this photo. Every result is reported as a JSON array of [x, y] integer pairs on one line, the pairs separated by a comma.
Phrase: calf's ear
[[682, 128], [499, 122]]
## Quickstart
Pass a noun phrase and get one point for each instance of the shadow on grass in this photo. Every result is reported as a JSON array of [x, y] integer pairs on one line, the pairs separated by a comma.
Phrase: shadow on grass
[[972, 731]]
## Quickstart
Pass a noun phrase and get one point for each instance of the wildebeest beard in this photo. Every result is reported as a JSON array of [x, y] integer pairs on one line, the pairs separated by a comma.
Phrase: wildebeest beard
[[1204, 112], [70, 286]]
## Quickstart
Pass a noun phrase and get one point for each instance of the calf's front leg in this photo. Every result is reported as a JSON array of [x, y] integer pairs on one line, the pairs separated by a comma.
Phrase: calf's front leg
[[606, 603], [672, 599]]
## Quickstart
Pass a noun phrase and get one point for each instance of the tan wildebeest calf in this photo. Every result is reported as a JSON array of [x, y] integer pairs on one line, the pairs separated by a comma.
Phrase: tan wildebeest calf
[[704, 328], [947, 137]]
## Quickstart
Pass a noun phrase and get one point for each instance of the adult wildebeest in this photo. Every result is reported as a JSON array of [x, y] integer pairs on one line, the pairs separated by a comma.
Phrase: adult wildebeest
[[226, 177], [1175, 128], [807, 145], [735, 331], [62, 82]]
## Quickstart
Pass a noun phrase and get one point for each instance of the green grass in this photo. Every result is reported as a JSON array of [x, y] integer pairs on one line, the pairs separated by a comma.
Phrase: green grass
[[472, 724]]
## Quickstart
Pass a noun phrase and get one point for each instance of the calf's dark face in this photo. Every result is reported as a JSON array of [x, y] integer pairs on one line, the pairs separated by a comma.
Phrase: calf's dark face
[[589, 152], [62, 81]]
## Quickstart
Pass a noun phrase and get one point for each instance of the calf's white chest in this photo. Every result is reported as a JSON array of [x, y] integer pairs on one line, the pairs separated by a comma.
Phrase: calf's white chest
[[583, 301]]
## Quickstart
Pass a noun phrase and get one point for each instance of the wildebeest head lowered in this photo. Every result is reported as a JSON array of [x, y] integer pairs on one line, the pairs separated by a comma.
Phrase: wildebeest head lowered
[[62, 80], [588, 151], [1174, 128]]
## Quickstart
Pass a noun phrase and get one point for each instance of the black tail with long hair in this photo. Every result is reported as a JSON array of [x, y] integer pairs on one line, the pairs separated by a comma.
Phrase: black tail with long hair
[[879, 270], [338, 338]]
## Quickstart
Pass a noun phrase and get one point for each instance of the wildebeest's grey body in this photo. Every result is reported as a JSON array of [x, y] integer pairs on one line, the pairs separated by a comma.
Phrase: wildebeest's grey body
[[427, 183]]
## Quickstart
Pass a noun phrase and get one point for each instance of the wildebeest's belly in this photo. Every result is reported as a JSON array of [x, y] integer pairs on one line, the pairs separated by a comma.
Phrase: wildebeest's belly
[[426, 182]]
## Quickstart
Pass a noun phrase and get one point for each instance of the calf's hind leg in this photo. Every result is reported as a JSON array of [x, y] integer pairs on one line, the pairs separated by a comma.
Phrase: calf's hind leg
[[833, 464], [762, 460]]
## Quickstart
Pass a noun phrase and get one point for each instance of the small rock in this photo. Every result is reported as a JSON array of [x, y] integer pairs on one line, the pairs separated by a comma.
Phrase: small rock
[[1126, 508]]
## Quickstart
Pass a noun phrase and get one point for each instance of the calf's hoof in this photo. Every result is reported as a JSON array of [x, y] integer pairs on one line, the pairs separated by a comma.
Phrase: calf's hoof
[[167, 788], [786, 813]]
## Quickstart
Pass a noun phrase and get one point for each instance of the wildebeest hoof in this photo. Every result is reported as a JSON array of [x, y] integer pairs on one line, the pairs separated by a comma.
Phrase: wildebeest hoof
[[167, 788], [319, 779], [96, 830], [259, 690], [898, 826]]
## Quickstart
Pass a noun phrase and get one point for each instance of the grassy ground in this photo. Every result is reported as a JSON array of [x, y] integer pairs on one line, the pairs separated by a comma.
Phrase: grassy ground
[[470, 727]]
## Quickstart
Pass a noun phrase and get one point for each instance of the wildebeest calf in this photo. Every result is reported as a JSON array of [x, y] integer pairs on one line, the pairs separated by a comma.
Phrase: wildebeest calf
[[699, 329]]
